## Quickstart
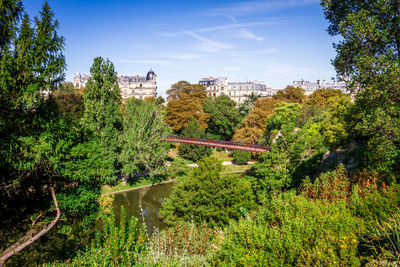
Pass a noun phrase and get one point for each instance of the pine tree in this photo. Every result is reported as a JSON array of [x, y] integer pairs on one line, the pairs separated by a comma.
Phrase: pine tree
[[102, 115]]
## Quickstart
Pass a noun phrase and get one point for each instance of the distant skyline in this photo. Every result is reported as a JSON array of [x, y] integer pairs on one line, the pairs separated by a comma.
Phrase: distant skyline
[[272, 41]]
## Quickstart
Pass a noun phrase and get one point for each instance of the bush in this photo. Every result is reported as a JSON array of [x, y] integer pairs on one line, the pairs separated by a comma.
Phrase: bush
[[374, 205], [385, 239], [293, 231], [193, 152], [183, 245], [332, 185], [241, 157], [114, 245], [207, 195]]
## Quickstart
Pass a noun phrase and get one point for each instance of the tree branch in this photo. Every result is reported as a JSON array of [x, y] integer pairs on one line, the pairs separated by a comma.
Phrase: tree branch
[[30, 237]]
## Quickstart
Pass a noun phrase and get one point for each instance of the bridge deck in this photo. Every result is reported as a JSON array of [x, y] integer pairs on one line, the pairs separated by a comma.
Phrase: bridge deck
[[218, 143]]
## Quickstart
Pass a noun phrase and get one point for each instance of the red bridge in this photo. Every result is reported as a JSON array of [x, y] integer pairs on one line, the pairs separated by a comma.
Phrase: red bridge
[[218, 143]]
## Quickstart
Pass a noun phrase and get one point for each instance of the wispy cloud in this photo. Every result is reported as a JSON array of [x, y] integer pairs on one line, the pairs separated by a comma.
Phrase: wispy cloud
[[247, 34], [266, 51], [245, 8], [206, 44], [227, 27], [273, 21]]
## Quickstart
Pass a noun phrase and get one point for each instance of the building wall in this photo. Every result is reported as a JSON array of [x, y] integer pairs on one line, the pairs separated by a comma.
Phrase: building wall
[[310, 87], [237, 91], [130, 86]]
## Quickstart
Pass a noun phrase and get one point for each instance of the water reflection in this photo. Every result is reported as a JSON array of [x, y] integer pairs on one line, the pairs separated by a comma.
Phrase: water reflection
[[143, 203]]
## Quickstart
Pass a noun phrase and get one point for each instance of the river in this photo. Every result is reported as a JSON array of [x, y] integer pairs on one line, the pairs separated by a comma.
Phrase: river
[[143, 203]]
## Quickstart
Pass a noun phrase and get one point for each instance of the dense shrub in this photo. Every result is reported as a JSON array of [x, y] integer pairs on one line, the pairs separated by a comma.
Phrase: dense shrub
[[208, 195], [114, 245], [193, 152], [384, 239], [375, 205], [241, 157], [331, 185], [293, 231], [183, 245]]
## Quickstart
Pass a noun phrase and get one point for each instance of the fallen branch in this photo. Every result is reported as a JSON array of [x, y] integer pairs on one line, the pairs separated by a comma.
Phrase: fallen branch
[[30, 237]]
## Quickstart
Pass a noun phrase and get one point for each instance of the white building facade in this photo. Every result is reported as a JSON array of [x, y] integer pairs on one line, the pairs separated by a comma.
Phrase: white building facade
[[237, 91], [310, 87], [131, 86]]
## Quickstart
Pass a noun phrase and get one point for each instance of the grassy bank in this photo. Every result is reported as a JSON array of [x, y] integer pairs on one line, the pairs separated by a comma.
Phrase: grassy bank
[[238, 168], [143, 181]]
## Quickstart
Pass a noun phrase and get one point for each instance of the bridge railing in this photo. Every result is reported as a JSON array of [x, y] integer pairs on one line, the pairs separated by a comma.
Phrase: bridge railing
[[231, 145]]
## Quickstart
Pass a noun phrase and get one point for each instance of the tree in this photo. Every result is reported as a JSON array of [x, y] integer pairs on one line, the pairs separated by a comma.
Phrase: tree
[[241, 157], [66, 88], [102, 116], [185, 103], [10, 12], [321, 97], [253, 126], [143, 147], [208, 195], [151, 100], [160, 100], [291, 94], [284, 118], [248, 104], [224, 116], [368, 60], [44, 153], [193, 152]]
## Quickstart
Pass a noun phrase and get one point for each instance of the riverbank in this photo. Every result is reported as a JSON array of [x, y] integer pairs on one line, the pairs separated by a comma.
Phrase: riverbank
[[121, 186], [141, 187]]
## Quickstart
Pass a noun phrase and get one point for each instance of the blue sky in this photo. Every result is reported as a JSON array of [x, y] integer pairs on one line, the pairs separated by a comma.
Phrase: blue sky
[[272, 41]]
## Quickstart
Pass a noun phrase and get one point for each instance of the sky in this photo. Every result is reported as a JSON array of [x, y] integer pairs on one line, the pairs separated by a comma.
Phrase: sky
[[272, 40]]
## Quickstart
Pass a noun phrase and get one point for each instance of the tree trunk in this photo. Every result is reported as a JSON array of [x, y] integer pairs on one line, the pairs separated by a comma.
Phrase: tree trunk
[[29, 238]]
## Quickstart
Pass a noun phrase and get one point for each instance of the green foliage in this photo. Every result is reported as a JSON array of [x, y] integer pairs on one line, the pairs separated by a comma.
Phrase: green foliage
[[385, 239], [193, 152], [224, 117], [142, 143], [241, 157], [207, 195], [248, 104], [334, 127], [284, 117], [42, 144], [66, 88], [293, 231], [160, 100], [375, 205], [308, 112], [272, 174], [102, 116], [321, 97], [183, 245], [368, 57], [115, 245], [332, 185]]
